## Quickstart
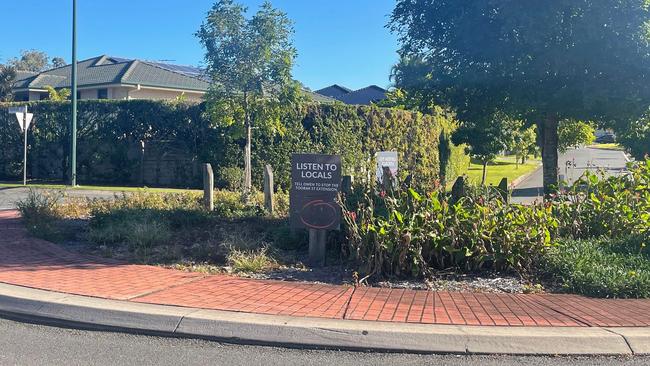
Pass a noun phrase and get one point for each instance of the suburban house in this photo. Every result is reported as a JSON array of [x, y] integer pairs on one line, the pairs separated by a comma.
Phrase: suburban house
[[106, 77], [363, 96]]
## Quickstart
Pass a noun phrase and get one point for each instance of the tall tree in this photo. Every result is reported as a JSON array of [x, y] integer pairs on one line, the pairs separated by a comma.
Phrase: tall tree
[[58, 62], [250, 62], [574, 133], [35, 61], [30, 60], [7, 77], [485, 138], [542, 61], [524, 142]]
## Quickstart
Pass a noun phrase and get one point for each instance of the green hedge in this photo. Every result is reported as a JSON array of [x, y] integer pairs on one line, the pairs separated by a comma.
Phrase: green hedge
[[110, 135]]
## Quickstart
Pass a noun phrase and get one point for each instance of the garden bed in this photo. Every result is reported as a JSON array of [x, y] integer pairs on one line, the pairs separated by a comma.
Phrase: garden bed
[[590, 240]]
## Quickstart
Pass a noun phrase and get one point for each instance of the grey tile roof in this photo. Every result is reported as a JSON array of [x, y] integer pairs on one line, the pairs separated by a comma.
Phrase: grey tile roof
[[317, 97], [109, 70], [104, 70], [333, 91], [364, 96]]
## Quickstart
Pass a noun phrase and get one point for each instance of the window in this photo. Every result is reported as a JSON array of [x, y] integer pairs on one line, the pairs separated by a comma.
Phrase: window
[[102, 93]]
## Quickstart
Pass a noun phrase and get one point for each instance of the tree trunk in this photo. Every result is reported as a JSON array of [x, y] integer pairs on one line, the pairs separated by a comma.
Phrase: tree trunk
[[549, 144], [248, 185], [484, 179]]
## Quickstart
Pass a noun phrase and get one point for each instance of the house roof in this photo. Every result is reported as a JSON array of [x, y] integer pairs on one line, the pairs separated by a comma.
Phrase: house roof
[[334, 91], [364, 96], [104, 70], [107, 70]]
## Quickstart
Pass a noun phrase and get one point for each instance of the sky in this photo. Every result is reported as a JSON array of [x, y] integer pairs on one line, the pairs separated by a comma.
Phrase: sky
[[338, 41]]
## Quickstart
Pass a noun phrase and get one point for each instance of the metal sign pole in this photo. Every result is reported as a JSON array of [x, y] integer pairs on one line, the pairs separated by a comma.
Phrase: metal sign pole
[[25, 152], [73, 130]]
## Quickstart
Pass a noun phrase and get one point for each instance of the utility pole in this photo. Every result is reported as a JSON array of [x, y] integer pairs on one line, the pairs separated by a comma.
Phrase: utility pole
[[73, 130]]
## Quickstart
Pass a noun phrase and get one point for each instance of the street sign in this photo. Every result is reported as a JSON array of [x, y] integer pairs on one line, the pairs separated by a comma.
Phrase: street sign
[[20, 116], [386, 159], [24, 120], [315, 184], [21, 109]]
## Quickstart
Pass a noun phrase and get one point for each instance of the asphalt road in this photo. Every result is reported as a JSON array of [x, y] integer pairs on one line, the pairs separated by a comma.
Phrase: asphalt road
[[9, 196], [29, 344], [573, 164]]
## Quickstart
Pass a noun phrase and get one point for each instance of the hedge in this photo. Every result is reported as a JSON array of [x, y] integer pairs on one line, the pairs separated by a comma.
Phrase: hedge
[[177, 137]]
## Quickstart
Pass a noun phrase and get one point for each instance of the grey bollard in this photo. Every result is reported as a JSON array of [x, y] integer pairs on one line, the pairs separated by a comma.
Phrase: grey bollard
[[503, 190], [268, 189], [387, 179], [208, 187], [458, 189], [346, 184]]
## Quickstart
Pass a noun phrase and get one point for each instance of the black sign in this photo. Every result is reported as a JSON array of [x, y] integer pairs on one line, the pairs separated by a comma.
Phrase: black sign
[[315, 183]]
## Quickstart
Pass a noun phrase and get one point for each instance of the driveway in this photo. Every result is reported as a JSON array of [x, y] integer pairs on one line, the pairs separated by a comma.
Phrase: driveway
[[9, 196], [573, 164]]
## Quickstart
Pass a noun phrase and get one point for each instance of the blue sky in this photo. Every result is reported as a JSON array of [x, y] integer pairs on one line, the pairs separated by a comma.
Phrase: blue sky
[[338, 41]]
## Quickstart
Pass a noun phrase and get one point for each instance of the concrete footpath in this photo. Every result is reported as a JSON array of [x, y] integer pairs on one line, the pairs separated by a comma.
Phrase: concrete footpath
[[40, 281]]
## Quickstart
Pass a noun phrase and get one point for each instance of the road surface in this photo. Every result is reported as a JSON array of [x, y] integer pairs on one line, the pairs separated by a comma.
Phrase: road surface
[[29, 344], [573, 164], [10, 195]]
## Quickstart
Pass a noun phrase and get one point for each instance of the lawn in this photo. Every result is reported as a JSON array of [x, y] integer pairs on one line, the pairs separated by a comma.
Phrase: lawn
[[97, 188], [612, 146], [504, 166]]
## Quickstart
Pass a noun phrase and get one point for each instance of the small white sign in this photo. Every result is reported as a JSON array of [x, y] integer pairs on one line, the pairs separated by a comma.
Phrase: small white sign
[[14, 110], [386, 159]]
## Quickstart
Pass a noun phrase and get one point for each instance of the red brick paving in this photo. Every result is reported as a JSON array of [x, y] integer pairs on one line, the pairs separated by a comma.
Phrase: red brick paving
[[36, 263]]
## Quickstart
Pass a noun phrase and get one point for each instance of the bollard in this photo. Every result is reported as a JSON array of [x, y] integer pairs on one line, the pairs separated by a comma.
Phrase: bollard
[[387, 179], [268, 188], [346, 184], [208, 187], [458, 189], [503, 190], [317, 247]]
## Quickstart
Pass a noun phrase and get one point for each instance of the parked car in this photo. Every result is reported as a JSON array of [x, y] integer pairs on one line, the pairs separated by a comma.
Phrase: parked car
[[606, 139]]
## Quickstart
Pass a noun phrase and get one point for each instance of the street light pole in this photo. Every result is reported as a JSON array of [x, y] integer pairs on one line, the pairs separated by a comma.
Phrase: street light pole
[[73, 130]]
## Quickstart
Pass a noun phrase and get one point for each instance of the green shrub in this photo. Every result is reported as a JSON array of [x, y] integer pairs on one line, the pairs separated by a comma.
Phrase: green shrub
[[601, 267], [230, 178], [614, 207], [111, 149], [40, 211], [39, 206], [408, 233]]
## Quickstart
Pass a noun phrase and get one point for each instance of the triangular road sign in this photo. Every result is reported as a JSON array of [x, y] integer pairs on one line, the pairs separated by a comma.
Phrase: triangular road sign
[[21, 118], [28, 119]]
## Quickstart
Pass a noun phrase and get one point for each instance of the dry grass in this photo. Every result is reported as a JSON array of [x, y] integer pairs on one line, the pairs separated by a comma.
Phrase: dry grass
[[253, 261]]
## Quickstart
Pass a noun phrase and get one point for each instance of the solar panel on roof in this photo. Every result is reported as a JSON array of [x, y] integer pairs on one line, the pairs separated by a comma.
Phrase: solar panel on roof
[[186, 70]]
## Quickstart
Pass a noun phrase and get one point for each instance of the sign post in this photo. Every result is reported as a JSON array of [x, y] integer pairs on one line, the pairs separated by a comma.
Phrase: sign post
[[315, 184], [24, 121]]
